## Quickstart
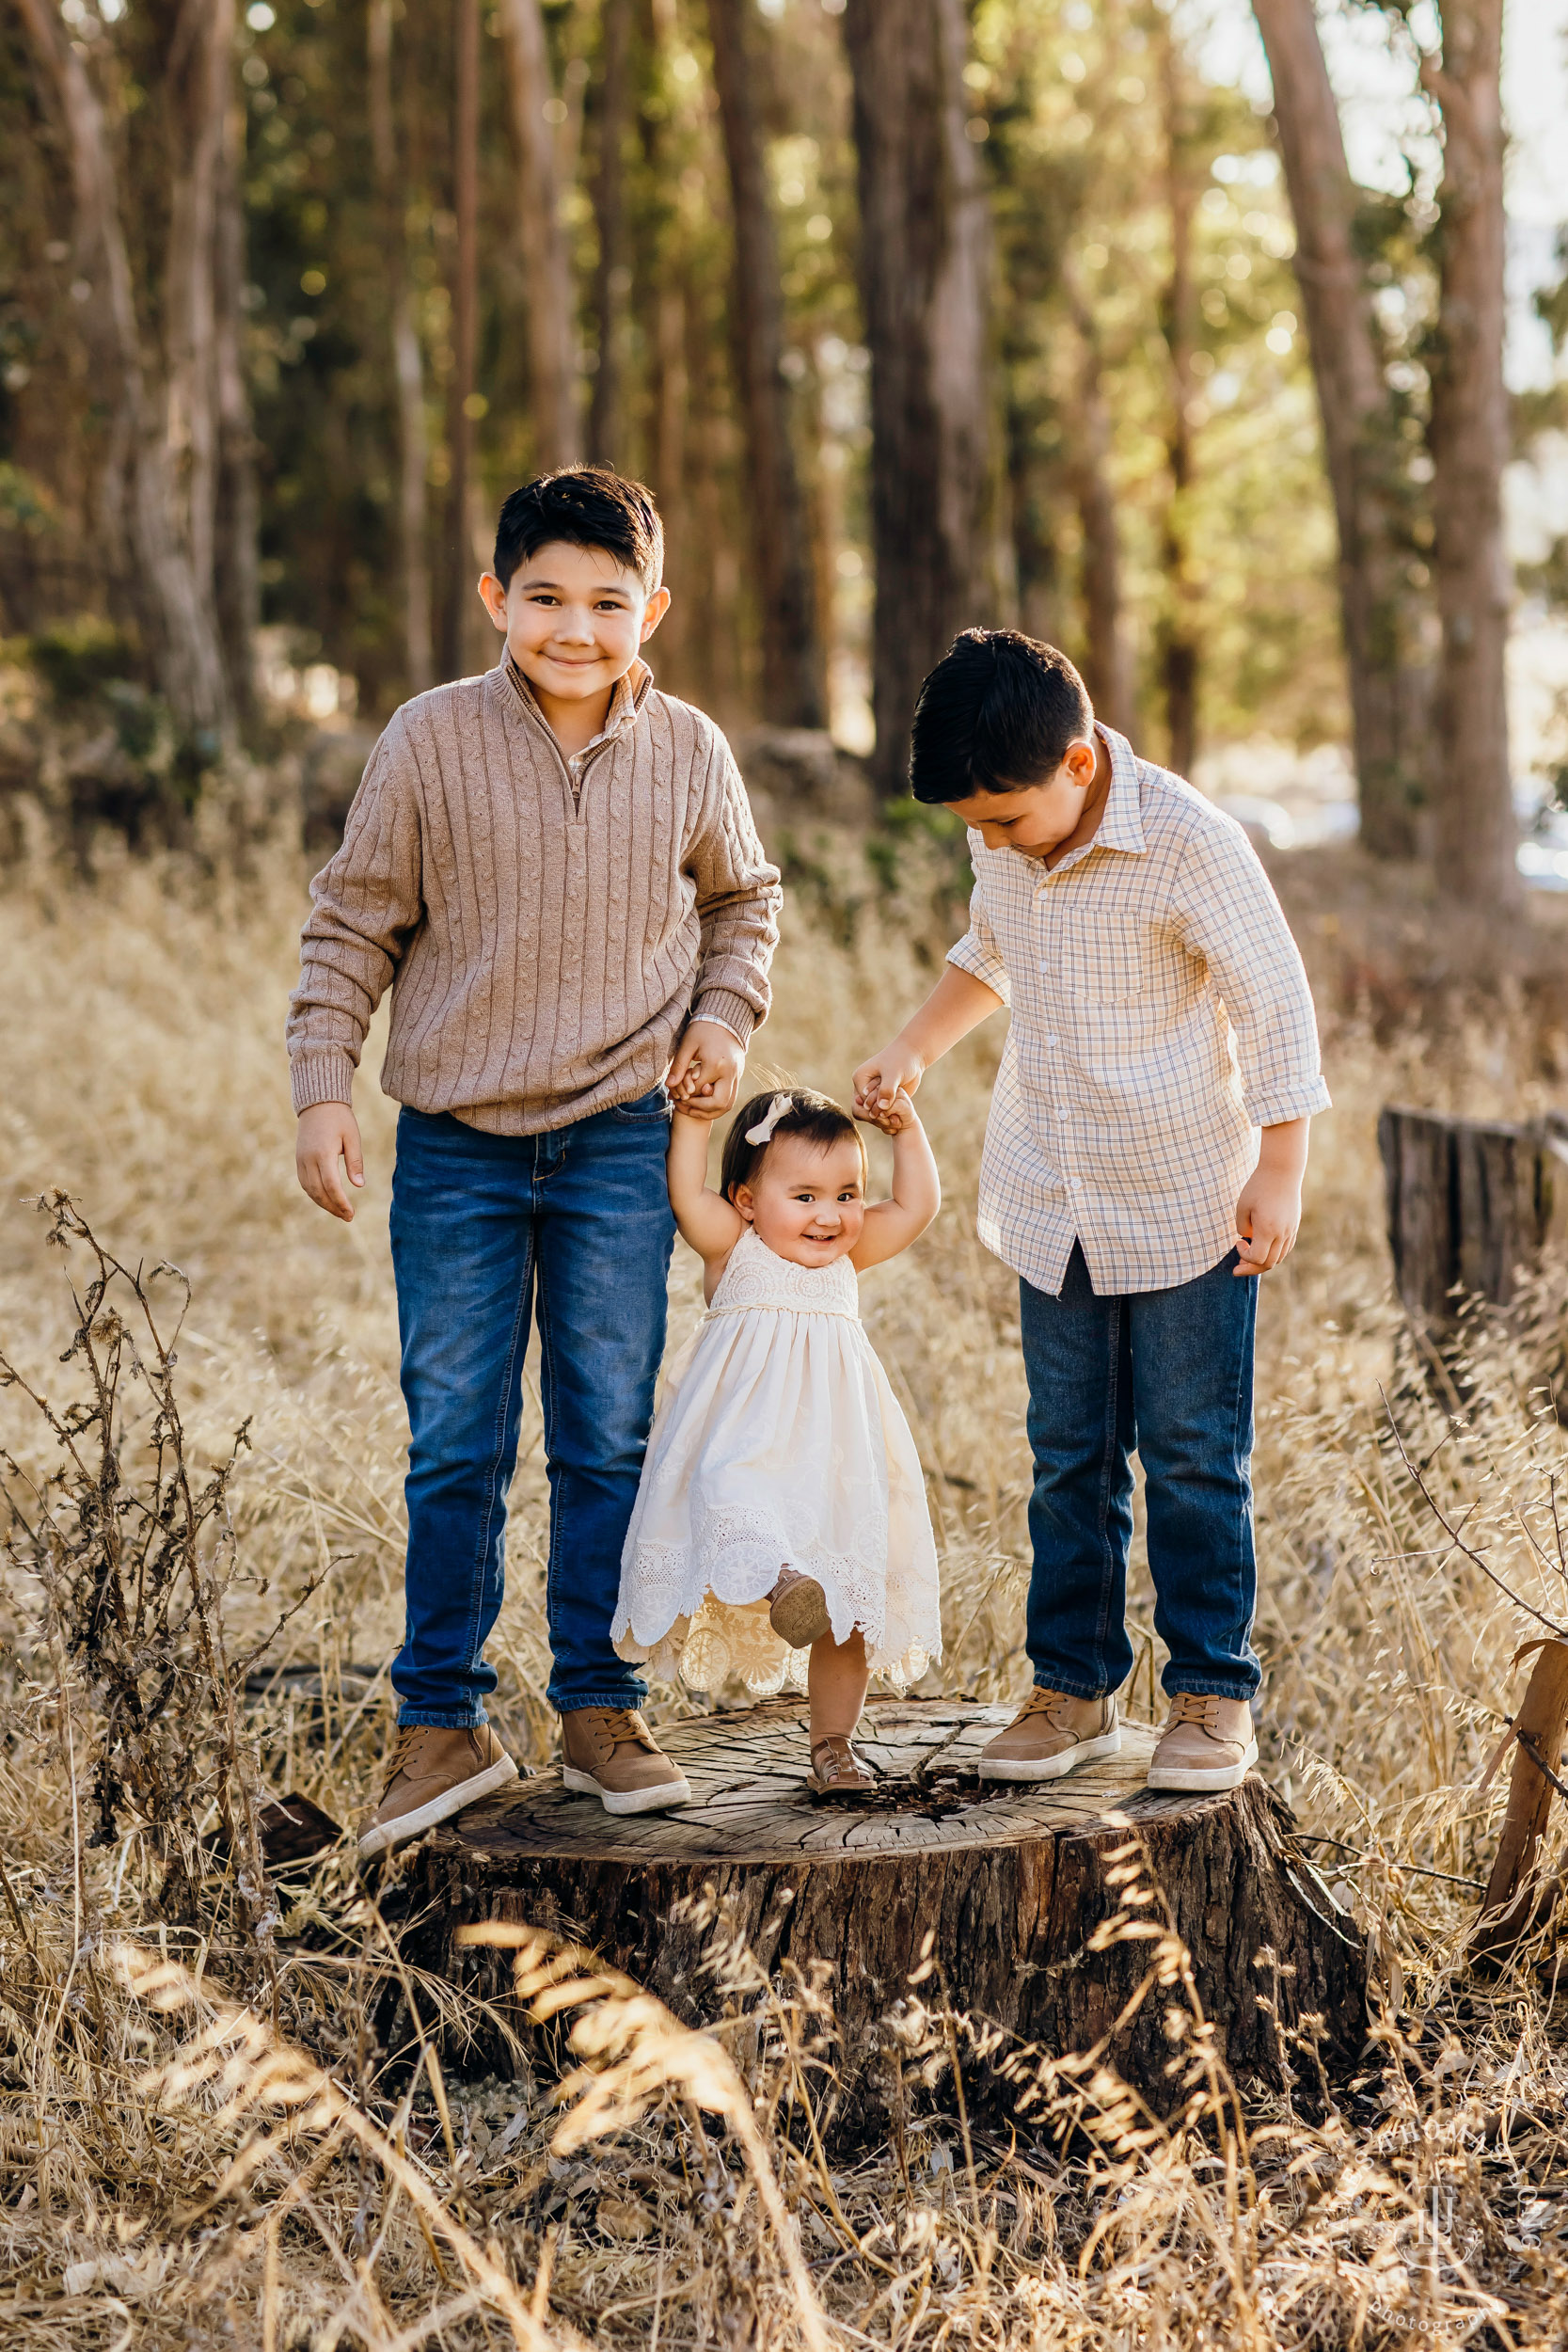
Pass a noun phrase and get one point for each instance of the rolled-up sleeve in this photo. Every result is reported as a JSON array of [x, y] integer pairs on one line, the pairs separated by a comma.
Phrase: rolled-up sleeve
[[977, 953], [1226, 911]]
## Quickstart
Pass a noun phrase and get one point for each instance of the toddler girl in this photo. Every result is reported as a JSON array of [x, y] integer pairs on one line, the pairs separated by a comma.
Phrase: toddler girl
[[782, 1506]]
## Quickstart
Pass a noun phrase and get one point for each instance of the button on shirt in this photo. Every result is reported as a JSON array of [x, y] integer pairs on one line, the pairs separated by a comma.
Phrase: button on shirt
[[1160, 1016]]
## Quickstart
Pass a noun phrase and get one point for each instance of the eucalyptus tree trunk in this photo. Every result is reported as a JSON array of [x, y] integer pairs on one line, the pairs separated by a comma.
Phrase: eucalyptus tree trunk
[[457, 586], [408, 366], [238, 573], [924, 254], [612, 274], [1360, 447], [1178, 634], [1477, 835], [793, 669], [1107, 662], [155, 484], [541, 238], [199, 64]]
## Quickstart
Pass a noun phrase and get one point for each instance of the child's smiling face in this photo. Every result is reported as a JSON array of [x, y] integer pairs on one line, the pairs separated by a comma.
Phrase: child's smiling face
[[573, 618], [808, 1202]]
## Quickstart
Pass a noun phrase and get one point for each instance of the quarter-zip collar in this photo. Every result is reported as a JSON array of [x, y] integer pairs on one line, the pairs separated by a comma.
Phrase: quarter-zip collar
[[632, 690]]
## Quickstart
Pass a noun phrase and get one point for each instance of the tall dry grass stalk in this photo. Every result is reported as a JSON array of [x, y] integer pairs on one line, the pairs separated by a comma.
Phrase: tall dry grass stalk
[[199, 2144]]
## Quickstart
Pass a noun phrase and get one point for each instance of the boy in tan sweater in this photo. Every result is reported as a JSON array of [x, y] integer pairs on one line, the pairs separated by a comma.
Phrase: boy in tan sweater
[[555, 868]]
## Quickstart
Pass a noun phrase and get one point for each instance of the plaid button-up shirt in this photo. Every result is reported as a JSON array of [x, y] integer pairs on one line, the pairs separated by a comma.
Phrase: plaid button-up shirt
[[1160, 1016]]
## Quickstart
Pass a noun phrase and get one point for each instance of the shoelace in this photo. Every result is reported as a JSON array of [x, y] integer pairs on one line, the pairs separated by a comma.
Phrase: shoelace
[[1194, 1707], [623, 1730]]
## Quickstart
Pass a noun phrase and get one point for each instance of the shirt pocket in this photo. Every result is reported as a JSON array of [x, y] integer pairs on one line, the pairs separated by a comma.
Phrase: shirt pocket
[[1103, 961]]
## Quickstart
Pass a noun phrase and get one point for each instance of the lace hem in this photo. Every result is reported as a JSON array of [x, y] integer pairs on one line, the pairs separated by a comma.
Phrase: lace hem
[[704, 1619]]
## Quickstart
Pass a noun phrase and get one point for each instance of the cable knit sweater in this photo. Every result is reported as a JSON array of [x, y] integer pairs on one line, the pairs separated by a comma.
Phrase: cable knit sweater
[[545, 935]]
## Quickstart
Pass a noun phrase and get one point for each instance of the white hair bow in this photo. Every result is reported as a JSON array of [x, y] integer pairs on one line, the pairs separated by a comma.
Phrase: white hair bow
[[778, 1108]]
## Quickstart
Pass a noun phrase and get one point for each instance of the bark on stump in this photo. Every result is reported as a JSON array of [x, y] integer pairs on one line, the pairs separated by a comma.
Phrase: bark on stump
[[1469, 1204], [1009, 1885]]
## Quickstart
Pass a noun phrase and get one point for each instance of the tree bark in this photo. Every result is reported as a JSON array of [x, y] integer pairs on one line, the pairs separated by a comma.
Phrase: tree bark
[[197, 74], [1360, 448], [1477, 835], [924, 253], [542, 239], [612, 275], [457, 587], [793, 669], [239, 589], [1179, 637], [408, 368], [1470, 1203], [1003, 1890], [1107, 663], [144, 522]]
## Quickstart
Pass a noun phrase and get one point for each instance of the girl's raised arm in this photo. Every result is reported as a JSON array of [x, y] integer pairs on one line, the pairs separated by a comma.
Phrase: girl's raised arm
[[892, 1225], [708, 1223]]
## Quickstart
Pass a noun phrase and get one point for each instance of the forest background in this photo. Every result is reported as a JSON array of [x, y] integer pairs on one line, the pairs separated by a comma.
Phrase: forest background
[[912, 313]]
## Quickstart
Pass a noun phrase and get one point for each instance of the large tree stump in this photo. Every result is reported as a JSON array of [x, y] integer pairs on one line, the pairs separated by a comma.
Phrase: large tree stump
[[1469, 1204], [1009, 1886]]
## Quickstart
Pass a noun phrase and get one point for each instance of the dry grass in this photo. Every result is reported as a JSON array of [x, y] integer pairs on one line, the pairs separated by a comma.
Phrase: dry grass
[[216, 2127]]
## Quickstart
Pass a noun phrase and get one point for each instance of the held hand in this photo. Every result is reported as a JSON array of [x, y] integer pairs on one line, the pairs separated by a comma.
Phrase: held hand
[[897, 1069], [1268, 1213], [704, 1076], [891, 1119], [328, 1133]]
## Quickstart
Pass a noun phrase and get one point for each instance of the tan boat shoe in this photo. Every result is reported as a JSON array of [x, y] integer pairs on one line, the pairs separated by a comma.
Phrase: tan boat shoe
[[1052, 1734], [837, 1771], [610, 1753], [799, 1614], [1207, 1744], [434, 1771]]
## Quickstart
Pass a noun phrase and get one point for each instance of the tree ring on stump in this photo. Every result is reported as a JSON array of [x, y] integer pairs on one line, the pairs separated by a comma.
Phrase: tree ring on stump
[[1003, 1887]]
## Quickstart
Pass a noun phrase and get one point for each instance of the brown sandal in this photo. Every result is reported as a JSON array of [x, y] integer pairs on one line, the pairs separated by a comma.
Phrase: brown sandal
[[837, 1771]]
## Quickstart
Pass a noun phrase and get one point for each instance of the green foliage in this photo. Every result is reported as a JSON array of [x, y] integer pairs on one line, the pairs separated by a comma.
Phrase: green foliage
[[76, 659]]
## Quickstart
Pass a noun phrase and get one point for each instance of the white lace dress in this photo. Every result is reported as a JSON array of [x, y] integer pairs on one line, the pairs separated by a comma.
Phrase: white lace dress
[[777, 1443]]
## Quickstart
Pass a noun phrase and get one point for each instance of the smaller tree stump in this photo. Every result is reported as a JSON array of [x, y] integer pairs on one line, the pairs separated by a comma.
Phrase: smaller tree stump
[[1008, 1884], [1469, 1204]]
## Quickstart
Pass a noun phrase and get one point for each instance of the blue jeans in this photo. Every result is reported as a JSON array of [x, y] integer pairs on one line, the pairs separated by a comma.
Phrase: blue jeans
[[1170, 1372], [484, 1226]]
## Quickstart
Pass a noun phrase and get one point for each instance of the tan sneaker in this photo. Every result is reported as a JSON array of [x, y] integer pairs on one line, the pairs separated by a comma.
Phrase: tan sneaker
[[1207, 1744], [799, 1613], [434, 1771], [1053, 1733], [610, 1753]]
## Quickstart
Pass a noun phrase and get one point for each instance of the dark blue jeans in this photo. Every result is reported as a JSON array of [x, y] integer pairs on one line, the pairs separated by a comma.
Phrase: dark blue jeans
[[1170, 1373], [484, 1228]]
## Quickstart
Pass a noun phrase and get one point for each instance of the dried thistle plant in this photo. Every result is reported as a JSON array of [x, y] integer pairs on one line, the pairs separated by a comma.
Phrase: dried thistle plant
[[132, 1546]]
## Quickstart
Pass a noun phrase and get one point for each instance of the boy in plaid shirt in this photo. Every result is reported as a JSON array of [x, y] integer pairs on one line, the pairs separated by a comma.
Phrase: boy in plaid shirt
[[1160, 1019]]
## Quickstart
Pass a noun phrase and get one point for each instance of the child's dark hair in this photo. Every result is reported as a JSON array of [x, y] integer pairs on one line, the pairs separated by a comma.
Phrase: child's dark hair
[[810, 1116], [996, 714], [587, 507]]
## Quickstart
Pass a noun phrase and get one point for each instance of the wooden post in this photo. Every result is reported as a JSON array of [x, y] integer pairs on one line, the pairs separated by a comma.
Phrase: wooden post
[[1514, 1901], [1469, 1204]]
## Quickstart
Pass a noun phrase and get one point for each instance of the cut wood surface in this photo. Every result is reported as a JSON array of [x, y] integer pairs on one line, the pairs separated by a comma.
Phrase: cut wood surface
[[1008, 1883]]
